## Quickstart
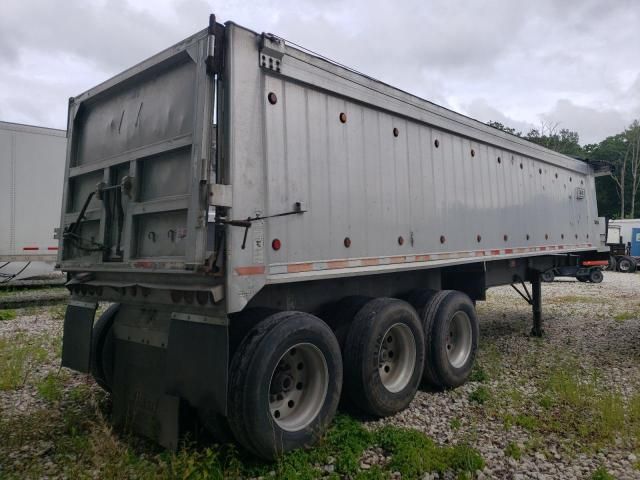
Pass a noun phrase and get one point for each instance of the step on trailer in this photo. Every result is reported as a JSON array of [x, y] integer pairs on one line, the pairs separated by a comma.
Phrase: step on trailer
[[276, 230]]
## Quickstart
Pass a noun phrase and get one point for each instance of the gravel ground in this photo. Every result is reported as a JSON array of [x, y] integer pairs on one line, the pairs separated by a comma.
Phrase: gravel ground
[[597, 326]]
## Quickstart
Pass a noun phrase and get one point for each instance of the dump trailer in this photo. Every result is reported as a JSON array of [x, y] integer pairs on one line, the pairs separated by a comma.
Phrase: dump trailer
[[275, 231], [32, 161]]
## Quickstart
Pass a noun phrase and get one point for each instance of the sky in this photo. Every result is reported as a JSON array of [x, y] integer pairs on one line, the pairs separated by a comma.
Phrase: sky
[[562, 64]]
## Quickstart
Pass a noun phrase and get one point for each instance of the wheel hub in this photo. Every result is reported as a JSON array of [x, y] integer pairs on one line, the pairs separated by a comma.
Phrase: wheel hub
[[397, 357], [458, 341], [298, 387]]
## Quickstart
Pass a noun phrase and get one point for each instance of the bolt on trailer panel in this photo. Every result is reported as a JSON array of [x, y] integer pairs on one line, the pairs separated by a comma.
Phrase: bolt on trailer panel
[[368, 179], [31, 170]]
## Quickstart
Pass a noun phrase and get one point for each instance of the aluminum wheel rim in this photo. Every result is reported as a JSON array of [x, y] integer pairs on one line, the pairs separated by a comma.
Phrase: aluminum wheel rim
[[298, 387], [624, 265], [397, 357], [458, 342]]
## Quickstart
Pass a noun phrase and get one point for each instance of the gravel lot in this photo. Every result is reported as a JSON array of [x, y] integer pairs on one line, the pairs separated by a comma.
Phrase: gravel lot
[[528, 411]]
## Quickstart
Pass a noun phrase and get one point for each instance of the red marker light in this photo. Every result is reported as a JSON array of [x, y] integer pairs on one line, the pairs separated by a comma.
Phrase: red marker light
[[276, 244]]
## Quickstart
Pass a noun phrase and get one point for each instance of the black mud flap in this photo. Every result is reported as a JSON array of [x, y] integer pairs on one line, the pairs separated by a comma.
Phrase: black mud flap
[[139, 400], [76, 339], [197, 361], [154, 387]]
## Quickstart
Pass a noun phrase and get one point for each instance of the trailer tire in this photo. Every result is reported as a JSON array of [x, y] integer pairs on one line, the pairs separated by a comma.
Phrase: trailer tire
[[626, 264], [102, 348], [595, 275], [384, 356], [547, 276], [446, 307], [421, 299], [290, 359], [340, 315]]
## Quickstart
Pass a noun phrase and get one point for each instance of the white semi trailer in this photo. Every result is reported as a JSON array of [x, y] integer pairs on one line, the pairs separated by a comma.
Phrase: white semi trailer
[[329, 235], [31, 174]]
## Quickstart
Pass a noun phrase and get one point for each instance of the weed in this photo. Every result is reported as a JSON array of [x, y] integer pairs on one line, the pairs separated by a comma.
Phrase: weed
[[480, 395], [621, 317], [413, 454], [491, 361], [513, 450], [58, 312], [525, 421], [51, 387], [575, 299], [602, 474], [546, 402], [375, 473], [18, 356], [7, 314], [478, 374], [455, 423]]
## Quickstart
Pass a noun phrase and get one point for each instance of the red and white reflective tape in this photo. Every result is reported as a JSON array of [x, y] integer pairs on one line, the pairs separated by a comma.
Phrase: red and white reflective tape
[[417, 259]]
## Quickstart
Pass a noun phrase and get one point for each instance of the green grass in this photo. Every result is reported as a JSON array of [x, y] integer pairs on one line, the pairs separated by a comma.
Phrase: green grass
[[455, 423], [480, 395], [19, 355], [51, 386], [478, 374], [602, 474], [7, 314], [513, 450], [79, 440], [414, 454], [576, 299], [572, 403], [624, 316]]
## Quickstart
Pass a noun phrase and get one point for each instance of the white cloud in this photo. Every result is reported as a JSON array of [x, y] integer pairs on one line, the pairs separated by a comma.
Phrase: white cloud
[[570, 62]]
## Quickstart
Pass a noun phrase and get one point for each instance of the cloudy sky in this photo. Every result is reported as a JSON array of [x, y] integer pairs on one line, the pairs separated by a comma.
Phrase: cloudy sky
[[575, 64]]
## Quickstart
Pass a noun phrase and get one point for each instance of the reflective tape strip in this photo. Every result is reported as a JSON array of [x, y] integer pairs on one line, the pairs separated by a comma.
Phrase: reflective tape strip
[[250, 270], [396, 259]]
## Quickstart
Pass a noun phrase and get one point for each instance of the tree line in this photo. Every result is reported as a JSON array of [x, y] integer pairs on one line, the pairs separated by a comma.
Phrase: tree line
[[618, 195]]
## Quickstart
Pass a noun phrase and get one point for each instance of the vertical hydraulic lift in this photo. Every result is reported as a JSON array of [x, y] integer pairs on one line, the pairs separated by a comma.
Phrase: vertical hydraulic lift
[[534, 299]]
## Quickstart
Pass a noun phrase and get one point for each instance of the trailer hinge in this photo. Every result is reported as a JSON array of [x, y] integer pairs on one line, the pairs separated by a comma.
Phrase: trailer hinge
[[271, 52]]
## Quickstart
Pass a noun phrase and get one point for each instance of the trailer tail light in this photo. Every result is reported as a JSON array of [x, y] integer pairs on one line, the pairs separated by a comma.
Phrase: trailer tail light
[[276, 244], [595, 263]]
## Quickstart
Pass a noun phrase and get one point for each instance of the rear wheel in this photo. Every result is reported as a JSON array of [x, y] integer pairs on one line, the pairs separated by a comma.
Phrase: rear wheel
[[595, 275], [340, 315], [420, 299], [102, 348], [626, 264], [452, 339], [285, 382], [547, 276], [384, 356], [613, 265]]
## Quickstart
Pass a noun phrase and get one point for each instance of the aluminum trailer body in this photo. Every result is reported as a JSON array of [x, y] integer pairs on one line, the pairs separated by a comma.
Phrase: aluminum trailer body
[[31, 172], [316, 188]]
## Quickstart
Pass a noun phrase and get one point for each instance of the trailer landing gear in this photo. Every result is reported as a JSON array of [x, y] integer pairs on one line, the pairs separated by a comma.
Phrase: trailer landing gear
[[534, 299]]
